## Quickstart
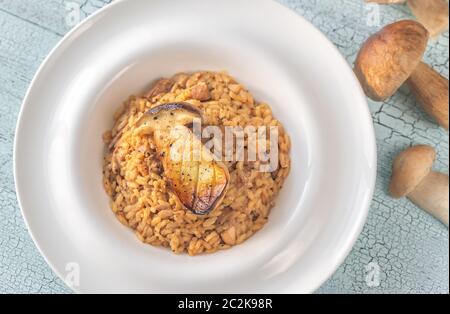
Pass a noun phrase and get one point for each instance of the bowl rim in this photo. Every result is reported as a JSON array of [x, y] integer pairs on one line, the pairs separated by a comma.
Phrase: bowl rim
[[371, 142]]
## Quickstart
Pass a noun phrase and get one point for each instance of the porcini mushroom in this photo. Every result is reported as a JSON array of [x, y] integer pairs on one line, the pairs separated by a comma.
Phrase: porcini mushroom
[[196, 178], [433, 14], [391, 57], [412, 176]]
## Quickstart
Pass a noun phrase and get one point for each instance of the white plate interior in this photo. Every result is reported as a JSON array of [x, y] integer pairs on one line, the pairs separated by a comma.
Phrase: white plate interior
[[282, 59]]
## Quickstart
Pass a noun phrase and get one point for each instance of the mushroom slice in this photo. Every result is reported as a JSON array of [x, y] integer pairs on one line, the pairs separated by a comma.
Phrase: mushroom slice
[[387, 58], [195, 177]]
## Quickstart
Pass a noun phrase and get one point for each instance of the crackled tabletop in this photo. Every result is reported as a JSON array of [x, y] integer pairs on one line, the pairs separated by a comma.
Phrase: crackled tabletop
[[401, 248]]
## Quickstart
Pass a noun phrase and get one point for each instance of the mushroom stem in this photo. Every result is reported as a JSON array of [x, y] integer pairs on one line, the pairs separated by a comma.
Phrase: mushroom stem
[[432, 195], [433, 14], [432, 91]]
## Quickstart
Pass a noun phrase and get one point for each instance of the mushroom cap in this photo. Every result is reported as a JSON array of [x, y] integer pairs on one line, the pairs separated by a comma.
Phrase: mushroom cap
[[388, 58], [410, 167]]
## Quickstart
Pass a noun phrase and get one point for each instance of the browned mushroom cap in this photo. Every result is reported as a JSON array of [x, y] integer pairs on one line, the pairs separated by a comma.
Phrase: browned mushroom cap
[[174, 109], [387, 58], [169, 115], [410, 167]]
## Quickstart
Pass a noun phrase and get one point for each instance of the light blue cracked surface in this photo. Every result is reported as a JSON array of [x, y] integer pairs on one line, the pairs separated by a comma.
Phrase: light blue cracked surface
[[410, 247]]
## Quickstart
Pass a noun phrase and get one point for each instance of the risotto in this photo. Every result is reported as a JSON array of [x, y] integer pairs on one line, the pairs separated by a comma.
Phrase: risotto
[[143, 199]]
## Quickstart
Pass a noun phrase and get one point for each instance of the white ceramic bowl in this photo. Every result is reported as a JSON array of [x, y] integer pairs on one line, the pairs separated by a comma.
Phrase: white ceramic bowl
[[117, 52]]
